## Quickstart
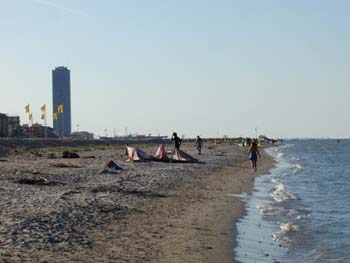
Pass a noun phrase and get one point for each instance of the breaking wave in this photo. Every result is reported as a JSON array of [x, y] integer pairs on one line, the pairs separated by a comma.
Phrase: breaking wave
[[279, 193]]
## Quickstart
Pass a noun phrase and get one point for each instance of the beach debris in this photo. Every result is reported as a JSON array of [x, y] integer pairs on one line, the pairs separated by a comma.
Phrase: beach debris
[[71, 193], [4, 160], [51, 156], [37, 180], [108, 171], [32, 180], [90, 157], [37, 154], [112, 165], [220, 154], [63, 165], [70, 155]]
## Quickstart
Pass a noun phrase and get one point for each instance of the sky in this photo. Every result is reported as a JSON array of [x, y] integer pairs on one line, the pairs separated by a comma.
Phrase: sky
[[197, 67]]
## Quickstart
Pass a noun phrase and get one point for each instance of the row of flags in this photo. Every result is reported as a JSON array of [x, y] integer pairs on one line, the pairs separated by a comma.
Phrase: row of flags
[[58, 112], [43, 112]]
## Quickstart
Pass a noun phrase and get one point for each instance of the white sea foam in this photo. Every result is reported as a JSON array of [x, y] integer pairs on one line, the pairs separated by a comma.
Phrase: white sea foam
[[281, 239], [276, 180], [281, 236], [279, 155], [268, 209], [292, 212], [281, 195], [297, 168], [289, 227], [295, 158], [299, 217]]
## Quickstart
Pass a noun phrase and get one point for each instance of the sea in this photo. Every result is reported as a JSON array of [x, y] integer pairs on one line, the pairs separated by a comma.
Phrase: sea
[[300, 210]]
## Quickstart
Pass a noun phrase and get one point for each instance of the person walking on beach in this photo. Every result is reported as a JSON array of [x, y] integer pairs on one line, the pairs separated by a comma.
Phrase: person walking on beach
[[253, 154], [177, 140], [199, 144]]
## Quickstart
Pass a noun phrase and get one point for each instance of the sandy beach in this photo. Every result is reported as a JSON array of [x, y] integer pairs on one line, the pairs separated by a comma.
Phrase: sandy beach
[[66, 210]]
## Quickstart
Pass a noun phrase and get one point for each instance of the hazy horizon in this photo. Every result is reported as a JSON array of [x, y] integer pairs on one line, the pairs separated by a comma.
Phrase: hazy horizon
[[196, 67]]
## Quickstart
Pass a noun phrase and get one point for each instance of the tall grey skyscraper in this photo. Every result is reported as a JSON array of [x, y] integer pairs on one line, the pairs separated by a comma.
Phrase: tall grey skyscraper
[[61, 96]]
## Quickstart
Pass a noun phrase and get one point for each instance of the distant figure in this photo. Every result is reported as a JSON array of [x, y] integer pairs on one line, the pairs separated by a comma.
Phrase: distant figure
[[199, 144], [253, 154], [248, 141], [177, 140]]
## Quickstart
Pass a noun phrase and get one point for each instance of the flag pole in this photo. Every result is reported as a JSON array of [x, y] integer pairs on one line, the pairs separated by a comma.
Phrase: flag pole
[[29, 125], [43, 117], [60, 111], [45, 124], [62, 124]]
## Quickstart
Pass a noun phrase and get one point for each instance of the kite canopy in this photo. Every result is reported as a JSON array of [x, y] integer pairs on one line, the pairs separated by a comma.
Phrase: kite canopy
[[183, 157], [161, 154], [135, 154]]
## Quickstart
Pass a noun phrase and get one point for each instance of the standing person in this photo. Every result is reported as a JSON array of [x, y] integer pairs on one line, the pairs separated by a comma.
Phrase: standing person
[[199, 144], [177, 140], [253, 154]]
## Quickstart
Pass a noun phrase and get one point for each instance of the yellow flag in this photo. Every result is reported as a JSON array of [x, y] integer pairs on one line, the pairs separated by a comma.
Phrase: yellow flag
[[27, 108], [43, 108], [30, 116], [55, 116], [60, 109], [43, 116]]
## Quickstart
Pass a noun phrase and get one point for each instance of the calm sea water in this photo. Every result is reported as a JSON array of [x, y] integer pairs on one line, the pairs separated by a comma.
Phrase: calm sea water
[[300, 212]]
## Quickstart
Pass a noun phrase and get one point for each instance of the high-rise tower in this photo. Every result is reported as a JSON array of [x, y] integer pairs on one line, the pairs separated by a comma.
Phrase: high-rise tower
[[61, 96]]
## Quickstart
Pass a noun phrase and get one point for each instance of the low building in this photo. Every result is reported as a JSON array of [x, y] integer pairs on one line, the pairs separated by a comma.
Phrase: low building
[[82, 135], [4, 125], [13, 125], [9, 125], [37, 131]]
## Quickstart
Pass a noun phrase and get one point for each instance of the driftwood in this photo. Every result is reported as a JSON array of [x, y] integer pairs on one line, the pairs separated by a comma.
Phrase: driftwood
[[39, 180], [63, 165], [70, 155]]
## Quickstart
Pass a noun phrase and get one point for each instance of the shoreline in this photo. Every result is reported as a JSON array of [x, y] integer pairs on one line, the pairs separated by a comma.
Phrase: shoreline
[[211, 237], [150, 212]]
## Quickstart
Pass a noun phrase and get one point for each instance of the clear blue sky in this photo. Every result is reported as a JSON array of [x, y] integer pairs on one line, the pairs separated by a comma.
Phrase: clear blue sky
[[191, 66]]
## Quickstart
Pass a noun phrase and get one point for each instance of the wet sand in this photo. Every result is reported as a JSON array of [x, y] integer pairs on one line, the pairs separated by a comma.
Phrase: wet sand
[[149, 212]]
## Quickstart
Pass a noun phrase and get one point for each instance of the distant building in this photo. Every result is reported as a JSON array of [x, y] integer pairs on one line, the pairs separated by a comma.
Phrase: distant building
[[37, 131], [9, 125], [265, 139], [4, 126], [13, 125], [61, 96]]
